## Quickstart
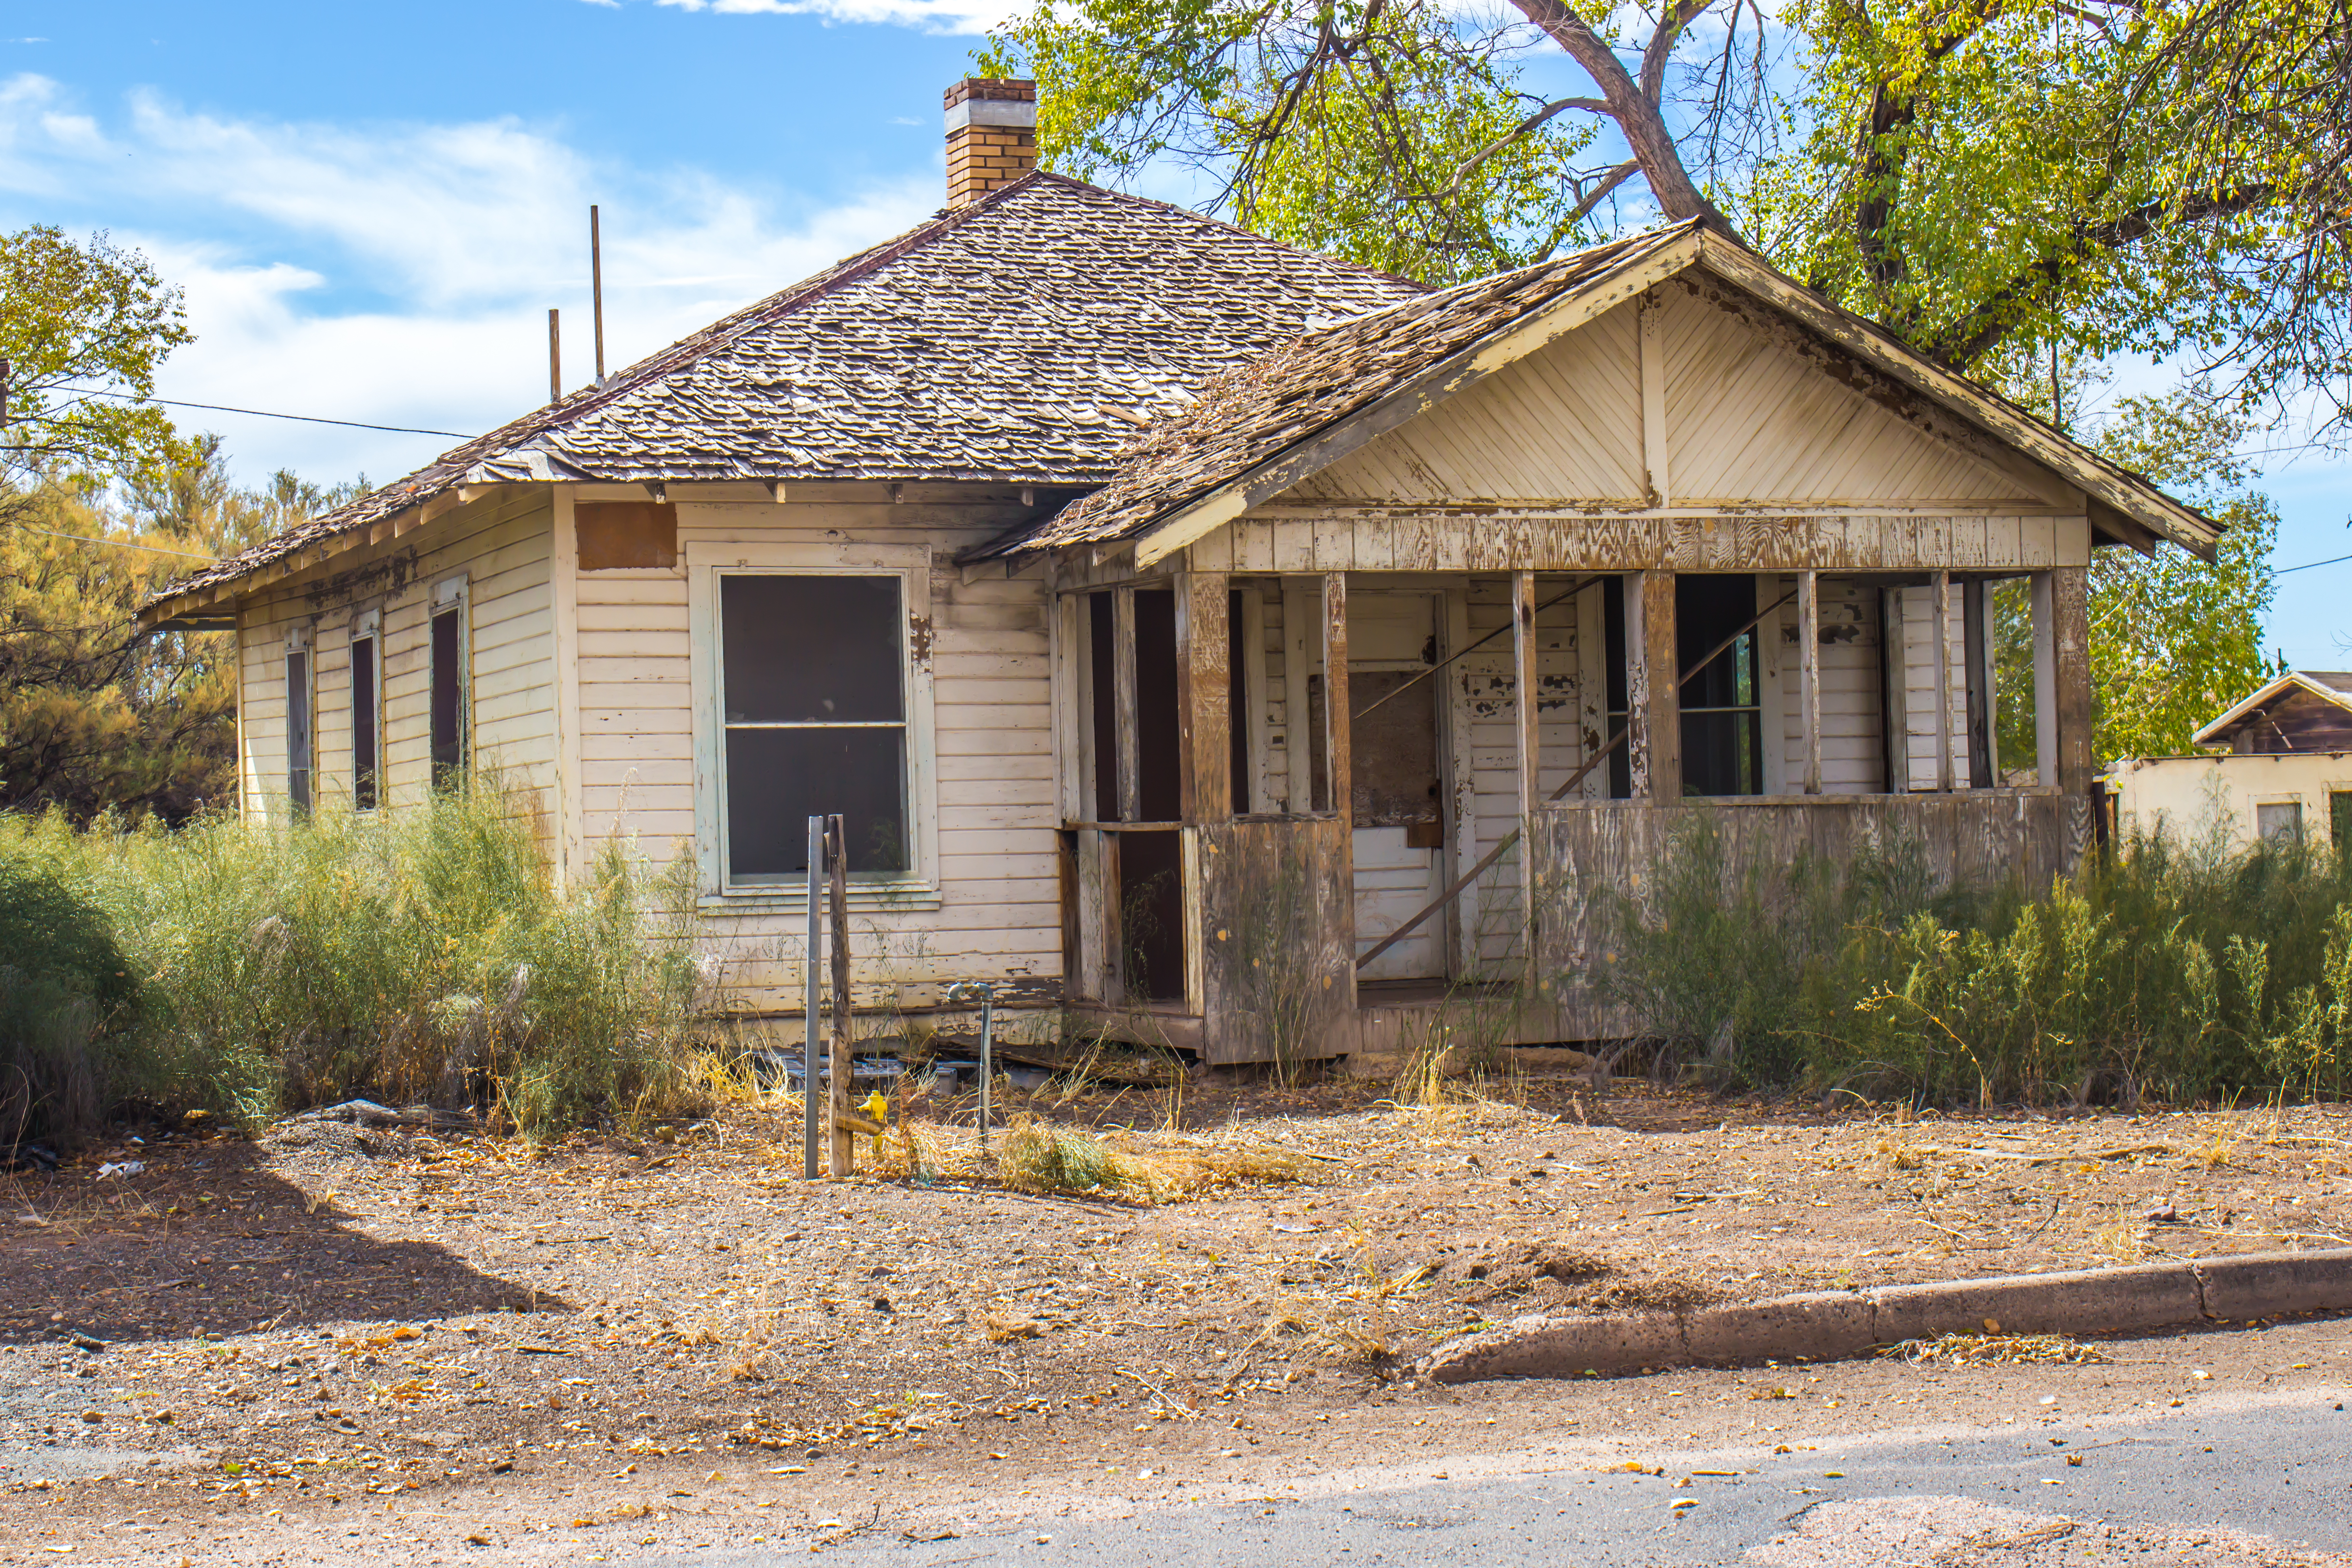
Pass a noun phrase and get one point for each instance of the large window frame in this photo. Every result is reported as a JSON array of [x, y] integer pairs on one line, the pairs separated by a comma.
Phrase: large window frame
[[707, 564], [450, 761], [366, 725], [302, 674]]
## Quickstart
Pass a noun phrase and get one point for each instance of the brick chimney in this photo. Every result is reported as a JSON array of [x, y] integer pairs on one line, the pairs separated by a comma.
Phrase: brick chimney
[[992, 135]]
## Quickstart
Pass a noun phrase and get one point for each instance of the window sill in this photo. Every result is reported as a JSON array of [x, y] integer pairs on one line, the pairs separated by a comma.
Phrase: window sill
[[787, 898]]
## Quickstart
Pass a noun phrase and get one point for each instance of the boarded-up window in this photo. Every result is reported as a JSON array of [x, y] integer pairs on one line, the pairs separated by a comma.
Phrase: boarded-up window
[[298, 729], [613, 536], [449, 693], [367, 693], [813, 671]]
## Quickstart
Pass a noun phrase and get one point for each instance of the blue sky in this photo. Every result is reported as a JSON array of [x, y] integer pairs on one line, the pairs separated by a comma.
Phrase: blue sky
[[371, 208]]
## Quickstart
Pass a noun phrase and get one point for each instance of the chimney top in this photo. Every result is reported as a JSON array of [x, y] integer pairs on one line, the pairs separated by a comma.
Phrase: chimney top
[[991, 126]]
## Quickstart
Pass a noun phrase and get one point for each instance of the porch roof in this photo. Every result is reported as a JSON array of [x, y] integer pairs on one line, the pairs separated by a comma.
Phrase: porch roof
[[1260, 429]]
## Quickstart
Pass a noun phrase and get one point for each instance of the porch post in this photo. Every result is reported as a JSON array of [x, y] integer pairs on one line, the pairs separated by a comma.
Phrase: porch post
[[1204, 695], [1122, 674], [1337, 712], [1809, 674], [1529, 749], [1660, 706], [2070, 622], [2045, 682], [1944, 681]]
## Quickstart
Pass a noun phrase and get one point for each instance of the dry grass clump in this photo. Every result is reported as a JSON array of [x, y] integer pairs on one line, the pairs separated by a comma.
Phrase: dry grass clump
[[1996, 1350], [1040, 1157]]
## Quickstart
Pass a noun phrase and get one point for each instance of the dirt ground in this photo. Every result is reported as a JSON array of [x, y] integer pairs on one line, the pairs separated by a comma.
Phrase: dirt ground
[[336, 1312]]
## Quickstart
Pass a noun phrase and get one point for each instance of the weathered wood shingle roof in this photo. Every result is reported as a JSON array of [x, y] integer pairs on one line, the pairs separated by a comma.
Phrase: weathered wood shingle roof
[[1022, 339], [1270, 404]]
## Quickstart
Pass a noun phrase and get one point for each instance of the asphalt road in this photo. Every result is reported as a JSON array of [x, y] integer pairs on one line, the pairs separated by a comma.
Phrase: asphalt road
[[2180, 1489]]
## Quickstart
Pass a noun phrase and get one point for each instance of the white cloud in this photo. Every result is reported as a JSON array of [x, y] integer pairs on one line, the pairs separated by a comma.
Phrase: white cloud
[[400, 274], [950, 16]]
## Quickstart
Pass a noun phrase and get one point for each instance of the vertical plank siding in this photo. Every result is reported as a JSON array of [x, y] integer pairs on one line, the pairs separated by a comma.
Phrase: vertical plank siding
[[1587, 851]]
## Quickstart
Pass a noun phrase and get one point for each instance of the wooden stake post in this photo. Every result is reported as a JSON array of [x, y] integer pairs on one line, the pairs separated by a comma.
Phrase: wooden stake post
[[836, 860]]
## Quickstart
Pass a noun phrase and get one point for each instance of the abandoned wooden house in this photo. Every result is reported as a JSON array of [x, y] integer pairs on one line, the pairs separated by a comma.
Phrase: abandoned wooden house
[[1174, 617]]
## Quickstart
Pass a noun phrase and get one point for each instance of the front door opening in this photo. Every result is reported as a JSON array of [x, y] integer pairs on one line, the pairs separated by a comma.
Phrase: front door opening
[[1395, 796]]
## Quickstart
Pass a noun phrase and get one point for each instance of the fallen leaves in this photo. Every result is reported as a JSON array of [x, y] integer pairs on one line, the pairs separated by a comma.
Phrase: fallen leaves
[[1997, 1350]]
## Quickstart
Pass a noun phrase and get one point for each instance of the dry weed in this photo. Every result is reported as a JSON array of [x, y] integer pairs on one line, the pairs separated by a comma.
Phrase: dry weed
[[1902, 1155], [1996, 1350], [1003, 1330]]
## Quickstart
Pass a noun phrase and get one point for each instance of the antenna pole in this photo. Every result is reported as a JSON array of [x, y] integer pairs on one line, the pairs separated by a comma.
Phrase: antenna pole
[[554, 356], [596, 284]]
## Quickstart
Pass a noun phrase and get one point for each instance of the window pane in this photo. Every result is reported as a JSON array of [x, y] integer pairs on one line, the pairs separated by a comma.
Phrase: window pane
[[2279, 822], [778, 779], [811, 649], [298, 729], [363, 724], [449, 699]]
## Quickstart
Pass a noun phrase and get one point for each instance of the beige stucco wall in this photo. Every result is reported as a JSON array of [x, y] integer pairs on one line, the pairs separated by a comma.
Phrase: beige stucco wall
[[2190, 797]]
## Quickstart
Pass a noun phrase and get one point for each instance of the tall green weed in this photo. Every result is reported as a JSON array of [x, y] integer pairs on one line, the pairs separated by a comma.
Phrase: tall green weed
[[2180, 971], [420, 954]]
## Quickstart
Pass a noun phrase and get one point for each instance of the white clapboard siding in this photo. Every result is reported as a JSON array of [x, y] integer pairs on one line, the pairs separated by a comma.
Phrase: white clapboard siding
[[997, 912], [501, 545], [1919, 686]]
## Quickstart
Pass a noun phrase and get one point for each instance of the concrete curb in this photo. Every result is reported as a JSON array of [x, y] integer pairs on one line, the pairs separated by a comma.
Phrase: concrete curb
[[1833, 1325]]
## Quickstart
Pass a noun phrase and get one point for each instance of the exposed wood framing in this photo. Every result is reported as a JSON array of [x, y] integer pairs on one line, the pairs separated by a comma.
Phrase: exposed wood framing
[[1592, 684], [1461, 783], [1302, 645], [2045, 682], [841, 1150], [1527, 736], [1808, 675], [1203, 694], [1337, 708], [1943, 646], [2071, 644], [1123, 703], [1663, 718]]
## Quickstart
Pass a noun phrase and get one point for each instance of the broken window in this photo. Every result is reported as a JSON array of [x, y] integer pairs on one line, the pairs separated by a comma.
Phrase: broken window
[[1722, 703], [367, 698], [450, 718], [814, 701], [2279, 821], [298, 725]]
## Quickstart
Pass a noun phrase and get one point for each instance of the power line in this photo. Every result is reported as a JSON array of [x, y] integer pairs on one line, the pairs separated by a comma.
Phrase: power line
[[123, 543], [2309, 564], [264, 413]]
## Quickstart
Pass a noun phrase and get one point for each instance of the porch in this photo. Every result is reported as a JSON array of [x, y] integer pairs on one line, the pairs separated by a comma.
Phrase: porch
[[1319, 815]]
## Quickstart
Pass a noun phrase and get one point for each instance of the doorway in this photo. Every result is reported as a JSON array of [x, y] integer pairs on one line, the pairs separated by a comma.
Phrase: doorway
[[1396, 796]]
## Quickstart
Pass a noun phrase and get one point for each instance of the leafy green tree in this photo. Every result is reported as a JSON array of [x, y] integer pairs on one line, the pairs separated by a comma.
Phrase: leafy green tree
[[84, 328], [2167, 175], [93, 717], [2173, 641]]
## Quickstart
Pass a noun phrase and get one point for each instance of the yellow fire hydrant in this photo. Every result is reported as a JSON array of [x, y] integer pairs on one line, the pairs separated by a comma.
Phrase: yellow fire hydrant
[[877, 1111]]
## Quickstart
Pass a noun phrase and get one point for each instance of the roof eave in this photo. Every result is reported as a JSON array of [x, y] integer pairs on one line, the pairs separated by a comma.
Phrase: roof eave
[[2215, 732], [2133, 497]]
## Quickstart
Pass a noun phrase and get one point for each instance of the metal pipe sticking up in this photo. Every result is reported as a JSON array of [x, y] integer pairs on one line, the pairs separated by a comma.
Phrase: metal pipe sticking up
[[596, 287], [809, 994], [986, 992], [554, 355]]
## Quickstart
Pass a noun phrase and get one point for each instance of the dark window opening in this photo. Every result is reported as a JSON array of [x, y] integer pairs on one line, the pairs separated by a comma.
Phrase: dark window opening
[[1159, 756], [1613, 622], [1722, 703], [1237, 708], [1102, 668], [448, 700], [364, 725], [814, 707], [2339, 821], [298, 729], [1152, 915]]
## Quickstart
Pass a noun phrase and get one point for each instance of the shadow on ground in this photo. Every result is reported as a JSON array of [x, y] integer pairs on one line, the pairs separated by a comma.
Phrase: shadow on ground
[[210, 1240]]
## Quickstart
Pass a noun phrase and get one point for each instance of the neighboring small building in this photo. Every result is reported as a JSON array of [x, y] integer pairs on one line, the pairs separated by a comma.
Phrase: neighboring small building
[[2287, 770]]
